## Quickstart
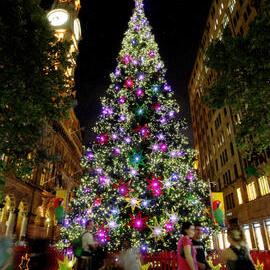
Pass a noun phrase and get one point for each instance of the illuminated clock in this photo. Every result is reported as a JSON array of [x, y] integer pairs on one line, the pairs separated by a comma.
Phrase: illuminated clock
[[77, 29], [58, 17]]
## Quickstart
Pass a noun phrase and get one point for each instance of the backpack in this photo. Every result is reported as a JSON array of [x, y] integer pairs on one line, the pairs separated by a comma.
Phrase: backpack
[[243, 261], [77, 246]]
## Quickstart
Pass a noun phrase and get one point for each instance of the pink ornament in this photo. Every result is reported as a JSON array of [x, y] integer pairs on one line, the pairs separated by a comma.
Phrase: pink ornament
[[139, 92], [163, 147], [169, 227], [138, 222], [102, 235], [155, 186], [102, 138], [123, 189], [127, 59]]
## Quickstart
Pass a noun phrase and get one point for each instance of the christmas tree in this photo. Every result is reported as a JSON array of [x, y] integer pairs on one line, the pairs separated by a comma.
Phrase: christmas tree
[[140, 182]]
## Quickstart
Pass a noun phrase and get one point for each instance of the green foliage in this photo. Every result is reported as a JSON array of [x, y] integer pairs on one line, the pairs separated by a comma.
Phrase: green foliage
[[34, 89], [242, 64]]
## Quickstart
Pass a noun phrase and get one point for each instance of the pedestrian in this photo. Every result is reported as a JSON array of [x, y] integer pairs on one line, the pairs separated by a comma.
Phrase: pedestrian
[[200, 248], [186, 253], [237, 256], [129, 257], [89, 245]]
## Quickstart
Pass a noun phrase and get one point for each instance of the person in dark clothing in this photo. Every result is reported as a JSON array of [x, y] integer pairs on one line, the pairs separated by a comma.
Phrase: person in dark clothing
[[237, 256], [200, 248]]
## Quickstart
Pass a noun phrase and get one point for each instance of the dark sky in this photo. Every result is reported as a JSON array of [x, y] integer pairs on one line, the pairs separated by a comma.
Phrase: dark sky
[[177, 26]]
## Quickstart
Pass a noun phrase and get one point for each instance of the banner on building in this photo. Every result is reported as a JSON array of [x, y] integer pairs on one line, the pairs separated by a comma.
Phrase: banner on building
[[61, 194], [218, 209]]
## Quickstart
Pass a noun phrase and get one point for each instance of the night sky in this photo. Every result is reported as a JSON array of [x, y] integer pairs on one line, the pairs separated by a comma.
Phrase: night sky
[[177, 25]]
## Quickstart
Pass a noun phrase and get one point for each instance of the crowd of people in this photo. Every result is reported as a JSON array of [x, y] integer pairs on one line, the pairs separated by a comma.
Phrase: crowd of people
[[191, 251]]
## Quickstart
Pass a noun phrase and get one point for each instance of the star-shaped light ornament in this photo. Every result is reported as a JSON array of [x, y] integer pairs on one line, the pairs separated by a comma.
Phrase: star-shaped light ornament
[[158, 231], [133, 202], [136, 159], [66, 264]]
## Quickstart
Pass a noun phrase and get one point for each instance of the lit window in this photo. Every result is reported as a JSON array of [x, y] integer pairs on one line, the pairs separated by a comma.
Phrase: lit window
[[239, 195], [226, 242], [258, 234], [264, 185], [251, 190], [220, 241], [247, 235], [267, 224]]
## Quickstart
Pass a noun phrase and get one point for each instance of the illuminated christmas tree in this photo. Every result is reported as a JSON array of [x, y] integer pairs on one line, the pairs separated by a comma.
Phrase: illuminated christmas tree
[[140, 183]]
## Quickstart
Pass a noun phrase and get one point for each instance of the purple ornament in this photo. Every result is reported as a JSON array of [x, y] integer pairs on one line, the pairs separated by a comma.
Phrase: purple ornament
[[116, 151], [167, 88], [122, 100], [190, 176], [152, 54], [175, 177], [117, 72], [89, 155], [161, 137], [173, 154], [155, 147], [127, 140], [141, 77], [163, 120], [135, 62], [107, 111], [137, 28], [181, 153], [114, 136], [117, 87], [104, 180], [171, 114], [122, 118], [99, 170]]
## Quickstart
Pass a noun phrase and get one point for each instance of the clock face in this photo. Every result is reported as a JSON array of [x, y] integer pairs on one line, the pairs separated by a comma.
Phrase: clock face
[[58, 17], [77, 29]]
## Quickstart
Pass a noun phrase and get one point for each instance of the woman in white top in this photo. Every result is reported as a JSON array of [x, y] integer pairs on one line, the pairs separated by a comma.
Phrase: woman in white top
[[130, 257]]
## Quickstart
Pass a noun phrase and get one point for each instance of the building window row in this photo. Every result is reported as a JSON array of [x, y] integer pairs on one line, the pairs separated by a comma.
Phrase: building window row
[[227, 179], [218, 121], [229, 200], [224, 157]]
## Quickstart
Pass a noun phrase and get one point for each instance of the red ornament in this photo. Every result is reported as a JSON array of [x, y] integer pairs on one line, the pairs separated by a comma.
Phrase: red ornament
[[156, 106], [138, 222], [102, 138], [129, 83], [144, 131], [97, 202], [123, 188], [155, 186]]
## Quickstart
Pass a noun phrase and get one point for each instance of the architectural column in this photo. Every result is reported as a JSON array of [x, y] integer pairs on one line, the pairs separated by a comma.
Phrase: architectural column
[[23, 229], [11, 222]]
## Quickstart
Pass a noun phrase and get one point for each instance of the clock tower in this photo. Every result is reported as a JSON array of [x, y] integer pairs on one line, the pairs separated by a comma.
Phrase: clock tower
[[64, 20]]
